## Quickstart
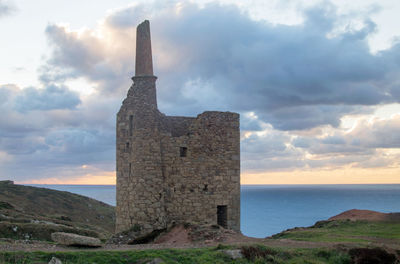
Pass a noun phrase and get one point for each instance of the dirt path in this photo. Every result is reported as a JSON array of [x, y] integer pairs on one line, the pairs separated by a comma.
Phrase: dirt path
[[181, 237], [20, 245]]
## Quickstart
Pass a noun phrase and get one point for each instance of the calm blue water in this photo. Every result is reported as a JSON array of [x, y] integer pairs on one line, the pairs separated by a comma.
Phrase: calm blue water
[[270, 209]]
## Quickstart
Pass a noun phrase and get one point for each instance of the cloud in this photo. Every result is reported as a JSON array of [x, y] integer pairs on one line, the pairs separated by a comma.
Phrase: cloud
[[366, 135], [310, 116], [377, 133], [370, 143], [106, 60], [50, 129], [31, 110], [292, 85], [6, 8], [52, 97], [216, 57], [73, 141]]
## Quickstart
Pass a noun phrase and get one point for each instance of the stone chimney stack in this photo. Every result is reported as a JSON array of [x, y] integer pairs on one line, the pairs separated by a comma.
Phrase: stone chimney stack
[[144, 61], [143, 89]]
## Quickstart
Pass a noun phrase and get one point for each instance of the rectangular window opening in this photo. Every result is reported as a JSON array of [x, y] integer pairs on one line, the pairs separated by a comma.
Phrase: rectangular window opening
[[183, 151], [127, 147], [130, 125], [222, 215]]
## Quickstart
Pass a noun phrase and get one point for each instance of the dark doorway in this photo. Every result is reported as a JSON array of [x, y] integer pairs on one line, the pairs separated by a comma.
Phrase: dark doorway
[[183, 151], [222, 215]]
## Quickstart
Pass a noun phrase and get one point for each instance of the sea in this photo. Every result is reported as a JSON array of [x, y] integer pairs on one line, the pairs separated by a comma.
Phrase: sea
[[270, 209]]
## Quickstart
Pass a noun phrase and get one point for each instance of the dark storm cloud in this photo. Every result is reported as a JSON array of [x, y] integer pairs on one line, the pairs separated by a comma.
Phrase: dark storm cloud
[[276, 71], [294, 77]]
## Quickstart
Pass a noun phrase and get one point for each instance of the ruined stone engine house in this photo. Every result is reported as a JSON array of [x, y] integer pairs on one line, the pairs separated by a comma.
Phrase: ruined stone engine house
[[173, 169]]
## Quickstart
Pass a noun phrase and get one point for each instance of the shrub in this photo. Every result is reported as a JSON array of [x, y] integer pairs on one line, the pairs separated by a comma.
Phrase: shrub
[[371, 255], [252, 253]]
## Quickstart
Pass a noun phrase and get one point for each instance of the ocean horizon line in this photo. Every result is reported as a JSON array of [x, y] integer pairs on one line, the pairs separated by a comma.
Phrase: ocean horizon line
[[263, 184]]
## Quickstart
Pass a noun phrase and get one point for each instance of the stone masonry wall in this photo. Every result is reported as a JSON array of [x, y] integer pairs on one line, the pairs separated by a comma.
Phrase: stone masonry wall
[[156, 187], [209, 175], [140, 191]]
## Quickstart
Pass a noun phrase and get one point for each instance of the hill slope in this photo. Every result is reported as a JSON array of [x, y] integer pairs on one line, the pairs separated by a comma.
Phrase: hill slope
[[358, 226], [368, 215], [33, 213]]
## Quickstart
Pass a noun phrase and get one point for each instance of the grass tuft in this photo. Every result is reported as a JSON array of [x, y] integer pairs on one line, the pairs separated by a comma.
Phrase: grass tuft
[[255, 252]]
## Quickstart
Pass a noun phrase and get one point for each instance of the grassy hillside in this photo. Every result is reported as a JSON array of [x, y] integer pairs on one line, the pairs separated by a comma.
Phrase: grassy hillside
[[254, 254], [33, 213], [359, 231]]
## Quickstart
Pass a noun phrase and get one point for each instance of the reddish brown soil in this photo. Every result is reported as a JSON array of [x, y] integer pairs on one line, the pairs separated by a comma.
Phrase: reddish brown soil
[[356, 214], [177, 235]]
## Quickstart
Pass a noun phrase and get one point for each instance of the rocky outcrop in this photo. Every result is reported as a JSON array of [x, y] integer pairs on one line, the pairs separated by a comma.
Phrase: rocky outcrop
[[70, 239]]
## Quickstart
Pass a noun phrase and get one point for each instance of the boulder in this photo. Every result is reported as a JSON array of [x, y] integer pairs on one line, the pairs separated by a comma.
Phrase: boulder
[[233, 253], [70, 239], [55, 260]]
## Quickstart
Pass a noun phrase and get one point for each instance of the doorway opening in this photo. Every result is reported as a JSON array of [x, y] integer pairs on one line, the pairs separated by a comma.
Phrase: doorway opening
[[222, 215]]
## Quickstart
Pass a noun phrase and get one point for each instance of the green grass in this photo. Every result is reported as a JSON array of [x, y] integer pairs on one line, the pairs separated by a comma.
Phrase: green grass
[[203, 255], [345, 231]]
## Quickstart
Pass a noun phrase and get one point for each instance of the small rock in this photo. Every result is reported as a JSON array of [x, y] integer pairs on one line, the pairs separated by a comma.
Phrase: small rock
[[156, 261], [70, 239], [55, 260], [233, 253]]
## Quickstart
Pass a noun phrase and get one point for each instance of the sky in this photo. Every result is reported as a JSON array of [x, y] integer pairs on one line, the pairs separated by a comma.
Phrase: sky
[[316, 82]]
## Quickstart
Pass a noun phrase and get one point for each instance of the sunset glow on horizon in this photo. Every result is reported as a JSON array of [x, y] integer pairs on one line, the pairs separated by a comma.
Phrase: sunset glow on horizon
[[338, 176]]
